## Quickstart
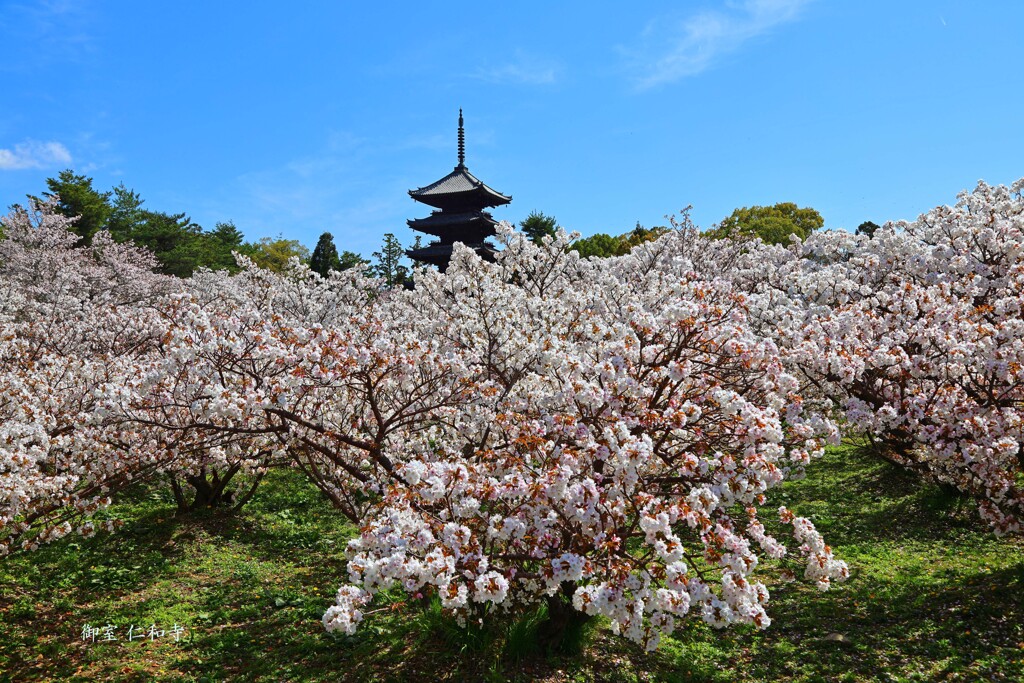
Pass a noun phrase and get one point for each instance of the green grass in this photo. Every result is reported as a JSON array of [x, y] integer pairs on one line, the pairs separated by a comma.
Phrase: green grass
[[932, 597]]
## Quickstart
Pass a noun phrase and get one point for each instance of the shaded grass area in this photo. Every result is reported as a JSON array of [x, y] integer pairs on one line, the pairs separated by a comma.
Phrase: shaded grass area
[[933, 597]]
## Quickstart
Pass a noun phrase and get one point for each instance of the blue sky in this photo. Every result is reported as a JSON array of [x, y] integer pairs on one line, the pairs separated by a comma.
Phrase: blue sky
[[296, 118]]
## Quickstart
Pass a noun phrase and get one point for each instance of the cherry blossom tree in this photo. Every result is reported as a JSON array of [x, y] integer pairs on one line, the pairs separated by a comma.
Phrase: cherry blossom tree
[[916, 333], [623, 427], [600, 436], [73, 322]]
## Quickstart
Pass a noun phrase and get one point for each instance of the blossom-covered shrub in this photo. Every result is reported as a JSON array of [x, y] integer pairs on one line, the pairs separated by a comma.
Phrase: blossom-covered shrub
[[74, 322], [917, 334], [621, 430]]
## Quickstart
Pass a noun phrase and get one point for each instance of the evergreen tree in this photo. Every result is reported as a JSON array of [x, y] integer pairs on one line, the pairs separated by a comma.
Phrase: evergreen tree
[[126, 213], [174, 239], [220, 244], [389, 265], [78, 198], [180, 245], [325, 256], [537, 225], [868, 228], [350, 259]]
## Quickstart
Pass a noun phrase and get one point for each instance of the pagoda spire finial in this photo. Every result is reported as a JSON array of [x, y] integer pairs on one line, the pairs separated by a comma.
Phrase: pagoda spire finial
[[462, 141]]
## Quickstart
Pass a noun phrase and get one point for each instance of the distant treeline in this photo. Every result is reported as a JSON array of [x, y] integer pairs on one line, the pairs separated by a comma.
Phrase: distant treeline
[[182, 246]]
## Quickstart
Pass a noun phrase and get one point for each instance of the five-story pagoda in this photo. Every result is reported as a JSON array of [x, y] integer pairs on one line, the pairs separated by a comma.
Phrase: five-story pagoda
[[460, 198]]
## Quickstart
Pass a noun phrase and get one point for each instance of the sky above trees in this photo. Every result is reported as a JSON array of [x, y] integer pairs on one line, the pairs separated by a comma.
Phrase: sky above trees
[[301, 119]]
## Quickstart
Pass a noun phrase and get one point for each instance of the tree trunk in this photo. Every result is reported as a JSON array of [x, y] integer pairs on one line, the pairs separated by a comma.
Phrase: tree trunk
[[562, 630], [210, 490]]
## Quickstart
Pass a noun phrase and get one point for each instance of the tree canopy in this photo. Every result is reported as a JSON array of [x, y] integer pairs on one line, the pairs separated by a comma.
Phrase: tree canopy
[[274, 253], [537, 225], [350, 259], [325, 256], [180, 245], [773, 224], [78, 199], [868, 228], [604, 245]]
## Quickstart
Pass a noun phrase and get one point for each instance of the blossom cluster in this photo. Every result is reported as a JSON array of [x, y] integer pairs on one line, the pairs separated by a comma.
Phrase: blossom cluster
[[622, 428], [916, 335]]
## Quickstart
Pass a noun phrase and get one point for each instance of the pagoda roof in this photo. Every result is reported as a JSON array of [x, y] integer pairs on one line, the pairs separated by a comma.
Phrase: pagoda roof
[[438, 254], [448, 219], [459, 188]]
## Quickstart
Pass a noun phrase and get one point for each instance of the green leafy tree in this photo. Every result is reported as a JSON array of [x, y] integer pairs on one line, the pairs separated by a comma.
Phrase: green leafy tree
[[325, 256], [350, 259], [179, 245], [639, 235], [537, 225], [603, 245], [79, 198], [773, 224], [274, 254], [389, 266]]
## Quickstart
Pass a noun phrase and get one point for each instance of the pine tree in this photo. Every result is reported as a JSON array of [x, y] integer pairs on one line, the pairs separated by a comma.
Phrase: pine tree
[[537, 225], [389, 262], [79, 199]]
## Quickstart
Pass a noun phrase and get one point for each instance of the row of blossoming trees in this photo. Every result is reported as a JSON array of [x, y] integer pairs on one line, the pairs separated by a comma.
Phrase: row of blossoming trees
[[599, 435]]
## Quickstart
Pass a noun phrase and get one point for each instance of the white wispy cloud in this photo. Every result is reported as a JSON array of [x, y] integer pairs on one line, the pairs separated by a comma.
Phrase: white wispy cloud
[[675, 48], [33, 154], [522, 69]]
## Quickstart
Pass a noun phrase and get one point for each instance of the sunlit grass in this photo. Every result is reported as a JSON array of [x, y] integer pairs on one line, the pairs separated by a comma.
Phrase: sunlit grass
[[933, 597]]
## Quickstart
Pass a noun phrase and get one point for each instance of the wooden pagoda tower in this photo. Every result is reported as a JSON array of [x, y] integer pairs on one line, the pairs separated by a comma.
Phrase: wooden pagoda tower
[[460, 199]]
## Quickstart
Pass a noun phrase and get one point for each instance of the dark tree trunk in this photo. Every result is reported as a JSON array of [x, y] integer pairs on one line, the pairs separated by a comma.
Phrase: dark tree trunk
[[560, 632], [210, 490]]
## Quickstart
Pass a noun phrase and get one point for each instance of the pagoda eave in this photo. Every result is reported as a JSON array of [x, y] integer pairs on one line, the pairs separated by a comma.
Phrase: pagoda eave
[[456, 201], [438, 252], [439, 219], [460, 188]]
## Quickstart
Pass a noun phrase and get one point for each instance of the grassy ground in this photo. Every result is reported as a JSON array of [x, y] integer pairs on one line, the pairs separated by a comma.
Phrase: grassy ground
[[933, 597]]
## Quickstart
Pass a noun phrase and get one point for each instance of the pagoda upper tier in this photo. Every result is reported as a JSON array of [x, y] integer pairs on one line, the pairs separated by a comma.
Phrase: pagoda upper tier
[[460, 190], [460, 198]]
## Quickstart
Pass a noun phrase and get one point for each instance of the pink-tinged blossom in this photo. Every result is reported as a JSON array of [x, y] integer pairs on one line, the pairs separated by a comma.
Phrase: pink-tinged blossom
[[589, 430], [916, 334]]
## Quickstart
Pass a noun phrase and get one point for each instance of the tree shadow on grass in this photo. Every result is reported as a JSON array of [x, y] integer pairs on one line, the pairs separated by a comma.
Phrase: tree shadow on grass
[[970, 630], [52, 593]]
